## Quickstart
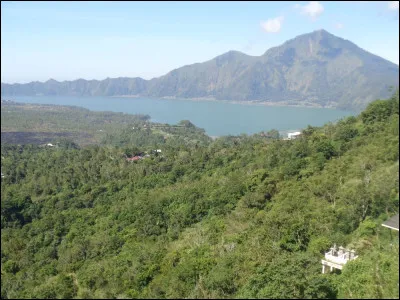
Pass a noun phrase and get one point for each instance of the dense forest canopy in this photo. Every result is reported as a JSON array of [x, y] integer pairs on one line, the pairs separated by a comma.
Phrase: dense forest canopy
[[237, 217]]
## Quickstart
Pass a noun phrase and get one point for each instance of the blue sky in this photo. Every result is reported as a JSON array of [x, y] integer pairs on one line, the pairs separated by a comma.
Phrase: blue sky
[[96, 40]]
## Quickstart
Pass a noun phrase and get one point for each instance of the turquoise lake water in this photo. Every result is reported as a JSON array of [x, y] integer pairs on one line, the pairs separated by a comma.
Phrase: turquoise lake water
[[217, 118]]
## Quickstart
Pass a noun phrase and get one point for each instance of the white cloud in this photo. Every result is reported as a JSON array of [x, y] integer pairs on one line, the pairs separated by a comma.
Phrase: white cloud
[[393, 5], [313, 9], [339, 26], [272, 25]]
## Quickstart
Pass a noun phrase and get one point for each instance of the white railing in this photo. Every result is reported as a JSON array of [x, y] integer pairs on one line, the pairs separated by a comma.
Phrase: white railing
[[337, 259]]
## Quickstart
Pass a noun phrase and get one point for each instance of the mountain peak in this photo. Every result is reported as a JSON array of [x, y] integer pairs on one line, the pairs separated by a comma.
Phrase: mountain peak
[[304, 40], [231, 54], [316, 34], [322, 31], [316, 68]]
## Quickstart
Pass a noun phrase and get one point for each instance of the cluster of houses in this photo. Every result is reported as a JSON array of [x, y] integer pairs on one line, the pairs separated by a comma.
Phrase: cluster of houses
[[141, 156], [135, 158], [48, 145], [290, 135]]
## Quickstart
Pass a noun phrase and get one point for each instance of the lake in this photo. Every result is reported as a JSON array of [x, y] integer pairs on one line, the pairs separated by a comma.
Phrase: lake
[[217, 118]]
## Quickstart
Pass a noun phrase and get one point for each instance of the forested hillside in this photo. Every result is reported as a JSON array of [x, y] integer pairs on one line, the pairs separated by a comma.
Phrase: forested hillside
[[238, 217], [23, 123]]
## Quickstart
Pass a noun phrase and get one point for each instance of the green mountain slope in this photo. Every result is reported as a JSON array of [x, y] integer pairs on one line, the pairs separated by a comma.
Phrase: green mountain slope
[[238, 217], [312, 69]]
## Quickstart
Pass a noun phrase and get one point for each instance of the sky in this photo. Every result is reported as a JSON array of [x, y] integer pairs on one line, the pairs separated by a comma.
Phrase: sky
[[96, 40]]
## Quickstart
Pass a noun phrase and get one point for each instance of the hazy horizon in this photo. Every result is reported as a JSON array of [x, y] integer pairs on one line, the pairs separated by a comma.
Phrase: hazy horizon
[[100, 79], [95, 41]]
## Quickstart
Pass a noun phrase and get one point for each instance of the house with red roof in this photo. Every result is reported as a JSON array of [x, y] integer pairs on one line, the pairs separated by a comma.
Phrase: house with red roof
[[135, 158]]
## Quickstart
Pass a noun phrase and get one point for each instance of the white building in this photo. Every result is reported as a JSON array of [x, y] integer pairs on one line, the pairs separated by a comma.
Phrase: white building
[[337, 258], [293, 135]]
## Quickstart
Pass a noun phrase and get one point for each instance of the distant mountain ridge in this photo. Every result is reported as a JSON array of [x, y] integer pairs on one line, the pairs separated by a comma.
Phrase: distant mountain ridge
[[314, 69]]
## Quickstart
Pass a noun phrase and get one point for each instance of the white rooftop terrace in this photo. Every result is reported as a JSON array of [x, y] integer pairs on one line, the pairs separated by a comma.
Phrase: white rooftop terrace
[[337, 258]]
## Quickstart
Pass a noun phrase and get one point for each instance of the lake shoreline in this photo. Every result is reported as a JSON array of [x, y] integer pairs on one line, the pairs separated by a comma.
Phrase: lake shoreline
[[241, 102], [216, 117]]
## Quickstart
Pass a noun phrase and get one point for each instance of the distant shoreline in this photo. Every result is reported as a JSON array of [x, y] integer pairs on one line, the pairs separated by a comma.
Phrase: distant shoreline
[[242, 102]]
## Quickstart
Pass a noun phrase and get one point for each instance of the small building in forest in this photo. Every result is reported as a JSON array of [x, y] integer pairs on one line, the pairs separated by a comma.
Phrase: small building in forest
[[293, 135], [336, 258], [392, 223], [135, 158]]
